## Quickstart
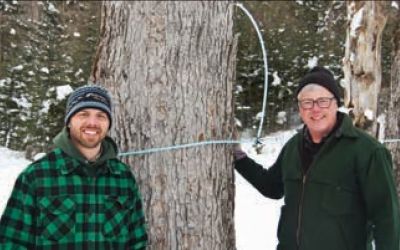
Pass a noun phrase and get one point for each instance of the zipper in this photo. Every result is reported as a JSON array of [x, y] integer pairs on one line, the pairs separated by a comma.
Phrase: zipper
[[304, 181], [300, 213]]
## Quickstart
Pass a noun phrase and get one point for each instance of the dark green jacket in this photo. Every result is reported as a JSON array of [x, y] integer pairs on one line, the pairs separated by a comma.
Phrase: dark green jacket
[[63, 202], [347, 193]]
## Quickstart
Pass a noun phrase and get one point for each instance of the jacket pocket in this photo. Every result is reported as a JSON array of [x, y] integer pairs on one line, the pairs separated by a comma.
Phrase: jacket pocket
[[56, 217], [339, 201], [117, 210]]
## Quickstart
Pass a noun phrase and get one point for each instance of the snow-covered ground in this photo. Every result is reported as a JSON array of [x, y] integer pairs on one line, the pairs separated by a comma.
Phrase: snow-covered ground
[[256, 217], [11, 164]]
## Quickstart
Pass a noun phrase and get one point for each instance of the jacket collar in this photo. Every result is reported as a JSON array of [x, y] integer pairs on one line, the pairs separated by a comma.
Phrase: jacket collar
[[346, 129], [70, 165]]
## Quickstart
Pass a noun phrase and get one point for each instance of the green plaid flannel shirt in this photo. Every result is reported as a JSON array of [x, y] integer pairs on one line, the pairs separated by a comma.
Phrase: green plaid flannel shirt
[[55, 204]]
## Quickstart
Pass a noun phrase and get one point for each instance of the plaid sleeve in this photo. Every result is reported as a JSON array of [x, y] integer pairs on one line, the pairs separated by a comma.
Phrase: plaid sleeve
[[138, 237], [16, 223]]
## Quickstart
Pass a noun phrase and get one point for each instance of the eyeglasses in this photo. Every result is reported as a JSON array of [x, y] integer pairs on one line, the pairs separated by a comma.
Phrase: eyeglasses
[[322, 102]]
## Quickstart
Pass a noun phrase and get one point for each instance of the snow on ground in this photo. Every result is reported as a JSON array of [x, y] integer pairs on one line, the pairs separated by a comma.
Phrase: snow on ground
[[256, 217], [11, 164]]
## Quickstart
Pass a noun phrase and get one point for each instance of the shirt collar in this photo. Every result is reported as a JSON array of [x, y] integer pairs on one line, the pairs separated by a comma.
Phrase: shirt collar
[[69, 165]]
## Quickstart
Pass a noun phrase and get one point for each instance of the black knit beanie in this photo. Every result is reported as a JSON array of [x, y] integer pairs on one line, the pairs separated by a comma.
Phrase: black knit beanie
[[321, 76], [88, 96]]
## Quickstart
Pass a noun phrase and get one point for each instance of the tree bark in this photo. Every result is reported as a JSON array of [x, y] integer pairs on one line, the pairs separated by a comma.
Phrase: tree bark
[[393, 128], [362, 62], [34, 11], [170, 67]]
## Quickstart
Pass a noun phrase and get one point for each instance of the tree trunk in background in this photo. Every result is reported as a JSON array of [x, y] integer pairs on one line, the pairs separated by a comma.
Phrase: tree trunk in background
[[362, 61], [34, 11], [393, 126], [170, 67]]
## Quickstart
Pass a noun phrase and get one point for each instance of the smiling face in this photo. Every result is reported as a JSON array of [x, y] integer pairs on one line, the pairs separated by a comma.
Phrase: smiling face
[[87, 128], [319, 120]]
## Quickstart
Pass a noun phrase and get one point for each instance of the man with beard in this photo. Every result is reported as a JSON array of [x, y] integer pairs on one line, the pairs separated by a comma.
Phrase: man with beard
[[78, 196]]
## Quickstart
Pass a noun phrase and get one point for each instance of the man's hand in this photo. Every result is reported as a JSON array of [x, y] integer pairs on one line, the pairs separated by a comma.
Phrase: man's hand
[[238, 153]]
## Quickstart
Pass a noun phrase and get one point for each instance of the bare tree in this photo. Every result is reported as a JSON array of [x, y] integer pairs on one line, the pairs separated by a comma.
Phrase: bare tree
[[170, 67], [362, 61], [393, 126]]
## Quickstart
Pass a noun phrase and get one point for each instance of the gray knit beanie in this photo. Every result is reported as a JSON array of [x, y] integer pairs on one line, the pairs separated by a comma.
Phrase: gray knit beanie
[[88, 96]]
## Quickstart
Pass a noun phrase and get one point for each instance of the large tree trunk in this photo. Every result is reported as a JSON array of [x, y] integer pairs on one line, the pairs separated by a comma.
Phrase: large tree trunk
[[362, 61], [393, 128], [170, 67]]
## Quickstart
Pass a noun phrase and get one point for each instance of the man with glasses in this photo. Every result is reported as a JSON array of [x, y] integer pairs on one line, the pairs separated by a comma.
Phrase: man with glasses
[[336, 180], [80, 195]]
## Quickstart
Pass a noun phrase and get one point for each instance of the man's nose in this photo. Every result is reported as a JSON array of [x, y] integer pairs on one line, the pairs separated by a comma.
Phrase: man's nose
[[92, 120]]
